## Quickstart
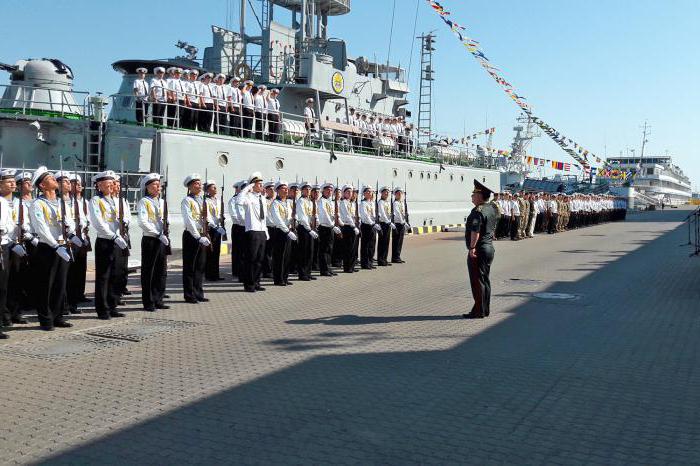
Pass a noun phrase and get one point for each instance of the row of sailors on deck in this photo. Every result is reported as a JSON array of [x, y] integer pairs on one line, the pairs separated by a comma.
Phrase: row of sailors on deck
[[184, 99], [525, 214]]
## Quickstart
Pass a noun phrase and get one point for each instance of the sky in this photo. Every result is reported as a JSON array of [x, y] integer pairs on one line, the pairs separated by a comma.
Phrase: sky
[[595, 70]]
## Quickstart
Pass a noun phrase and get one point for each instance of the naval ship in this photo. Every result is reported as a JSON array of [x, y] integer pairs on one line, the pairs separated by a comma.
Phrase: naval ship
[[44, 121], [656, 177]]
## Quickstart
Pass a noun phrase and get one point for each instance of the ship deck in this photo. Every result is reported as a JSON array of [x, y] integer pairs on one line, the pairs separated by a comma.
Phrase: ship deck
[[377, 367]]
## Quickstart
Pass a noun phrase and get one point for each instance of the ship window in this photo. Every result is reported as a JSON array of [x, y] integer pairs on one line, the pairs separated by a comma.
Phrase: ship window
[[396, 173], [452, 177], [462, 178], [435, 176], [650, 171], [410, 174], [421, 175], [223, 159], [279, 165]]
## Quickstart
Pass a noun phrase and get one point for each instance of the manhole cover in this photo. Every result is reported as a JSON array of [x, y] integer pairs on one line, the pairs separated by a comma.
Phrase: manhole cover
[[66, 346], [523, 281], [141, 329], [557, 296]]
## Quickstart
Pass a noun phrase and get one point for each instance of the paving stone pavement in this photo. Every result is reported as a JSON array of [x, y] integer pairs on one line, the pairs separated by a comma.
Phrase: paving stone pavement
[[377, 367]]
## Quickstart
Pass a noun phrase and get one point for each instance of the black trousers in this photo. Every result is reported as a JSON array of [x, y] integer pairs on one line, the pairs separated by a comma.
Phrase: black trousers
[[5, 272], [17, 280], [304, 253], [235, 121], [206, 115], [106, 264], [248, 119], [397, 242], [222, 121], [514, 224], [347, 247], [121, 272], [159, 113], [153, 271], [383, 244], [237, 250], [255, 251], [479, 270], [266, 267], [273, 127], [193, 263], [76, 278], [182, 114], [552, 227], [325, 248], [281, 254], [194, 116], [259, 125], [337, 253], [51, 274], [211, 271], [141, 111], [369, 239]]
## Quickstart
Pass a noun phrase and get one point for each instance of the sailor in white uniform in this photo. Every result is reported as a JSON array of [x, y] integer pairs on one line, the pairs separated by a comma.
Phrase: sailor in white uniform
[[158, 88], [306, 221], [248, 108], [256, 234], [273, 116], [282, 234], [350, 231], [216, 231], [141, 91], [368, 229], [194, 241], [401, 225], [387, 225]]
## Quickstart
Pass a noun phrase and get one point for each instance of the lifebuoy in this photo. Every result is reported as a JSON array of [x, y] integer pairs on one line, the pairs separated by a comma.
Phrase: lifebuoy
[[243, 71]]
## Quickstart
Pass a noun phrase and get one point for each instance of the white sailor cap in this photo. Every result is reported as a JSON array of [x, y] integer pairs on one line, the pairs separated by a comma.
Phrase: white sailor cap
[[59, 175], [235, 79], [315, 187], [269, 185], [281, 183], [262, 87], [171, 69], [205, 76], [327, 185], [309, 100], [398, 190], [275, 91], [39, 175], [249, 83], [220, 75], [255, 176], [141, 69], [294, 185], [347, 186], [304, 184], [178, 70], [209, 183], [159, 69], [186, 72], [105, 175], [367, 188], [194, 72], [117, 178], [76, 178], [384, 188], [190, 178], [146, 179], [24, 175], [8, 173]]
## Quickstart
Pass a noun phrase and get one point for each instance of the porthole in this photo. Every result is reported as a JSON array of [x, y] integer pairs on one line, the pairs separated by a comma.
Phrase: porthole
[[223, 159], [279, 165]]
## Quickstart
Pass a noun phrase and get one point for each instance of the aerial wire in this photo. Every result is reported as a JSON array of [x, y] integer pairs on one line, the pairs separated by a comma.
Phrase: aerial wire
[[413, 42], [391, 33]]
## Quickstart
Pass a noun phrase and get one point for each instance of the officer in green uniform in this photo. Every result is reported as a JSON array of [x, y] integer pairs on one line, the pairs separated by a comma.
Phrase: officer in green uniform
[[480, 227]]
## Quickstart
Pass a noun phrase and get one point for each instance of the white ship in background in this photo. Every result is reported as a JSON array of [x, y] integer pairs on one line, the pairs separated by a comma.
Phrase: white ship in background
[[43, 121], [656, 177]]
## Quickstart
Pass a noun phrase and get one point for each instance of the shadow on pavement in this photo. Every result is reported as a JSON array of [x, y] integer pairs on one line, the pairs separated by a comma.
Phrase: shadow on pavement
[[597, 379]]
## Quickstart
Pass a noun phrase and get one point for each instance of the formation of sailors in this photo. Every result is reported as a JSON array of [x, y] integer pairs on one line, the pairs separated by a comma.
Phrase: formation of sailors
[[180, 98], [279, 229], [523, 214]]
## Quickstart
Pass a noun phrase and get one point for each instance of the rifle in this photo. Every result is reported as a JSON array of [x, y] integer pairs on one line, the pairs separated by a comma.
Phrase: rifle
[[86, 230], [205, 213], [313, 223], [76, 212], [376, 207], [222, 213], [357, 207], [64, 225], [2, 261], [391, 200], [123, 229], [405, 203], [336, 213], [166, 222], [293, 225]]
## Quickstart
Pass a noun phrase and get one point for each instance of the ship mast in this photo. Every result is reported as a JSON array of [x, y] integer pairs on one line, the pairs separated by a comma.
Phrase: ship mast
[[524, 134], [646, 131]]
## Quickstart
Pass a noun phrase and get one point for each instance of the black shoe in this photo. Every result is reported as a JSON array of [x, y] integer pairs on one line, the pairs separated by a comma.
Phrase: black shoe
[[149, 309], [84, 300], [288, 283], [120, 303], [305, 279], [472, 315], [326, 274], [279, 284], [19, 320], [62, 324], [259, 288], [267, 275], [46, 328], [313, 278], [162, 306], [116, 314], [203, 300], [366, 267], [126, 292], [4, 336], [250, 290], [76, 311], [6, 322], [333, 274], [103, 316], [348, 271], [191, 301], [166, 296]]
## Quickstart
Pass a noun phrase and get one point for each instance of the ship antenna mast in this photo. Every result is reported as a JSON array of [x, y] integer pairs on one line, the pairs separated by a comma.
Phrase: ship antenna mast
[[646, 131], [426, 89]]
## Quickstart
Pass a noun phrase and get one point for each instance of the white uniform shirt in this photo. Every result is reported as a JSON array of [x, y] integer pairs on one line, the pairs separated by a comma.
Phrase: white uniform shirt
[[281, 214], [346, 212], [149, 213], [213, 211], [326, 212], [103, 217], [399, 213], [553, 207], [175, 85], [45, 218], [273, 106], [233, 211], [384, 211], [255, 210], [367, 212], [141, 89], [305, 212], [234, 95], [191, 209], [260, 105], [309, 115], [158, 87], [515, 208], [247, 99], [205, 93], [219, 94]]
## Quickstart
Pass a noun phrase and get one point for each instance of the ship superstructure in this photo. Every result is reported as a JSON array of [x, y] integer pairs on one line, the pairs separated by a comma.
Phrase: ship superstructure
[[656, 177]]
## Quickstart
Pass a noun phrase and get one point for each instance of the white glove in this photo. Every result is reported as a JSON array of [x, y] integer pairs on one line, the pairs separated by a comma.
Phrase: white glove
[[204, 241], [292, 236], [27, 236], [19, 250], [221, 230], [77, 241], [119, 241], [164, 239], [336, 230], [408, 227], [393, 227], [357, 231], [377, 227], [35, 241], [313, 234], [63, 253]]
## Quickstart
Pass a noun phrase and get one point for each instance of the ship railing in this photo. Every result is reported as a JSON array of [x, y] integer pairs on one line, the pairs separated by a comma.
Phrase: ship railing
[[220, 116], [693, 221], [39, 101]]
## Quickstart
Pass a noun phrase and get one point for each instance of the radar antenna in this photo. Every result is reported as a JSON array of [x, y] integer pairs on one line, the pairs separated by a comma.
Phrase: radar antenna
[[191, 50]]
